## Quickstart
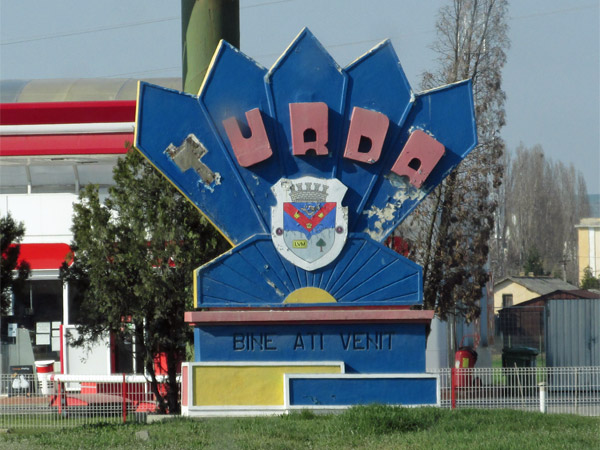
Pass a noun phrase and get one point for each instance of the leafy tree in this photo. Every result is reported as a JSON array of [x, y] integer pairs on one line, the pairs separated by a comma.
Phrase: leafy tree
[[534, 263], [11, 234], [134, 256], [589, 281], [451, 229]]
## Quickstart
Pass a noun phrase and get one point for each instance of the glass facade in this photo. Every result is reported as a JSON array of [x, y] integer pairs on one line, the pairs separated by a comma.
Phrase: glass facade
[[38, 307]]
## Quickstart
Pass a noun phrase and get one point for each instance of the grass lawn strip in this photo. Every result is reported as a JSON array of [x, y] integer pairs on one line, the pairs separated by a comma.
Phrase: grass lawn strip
[[369, 427]]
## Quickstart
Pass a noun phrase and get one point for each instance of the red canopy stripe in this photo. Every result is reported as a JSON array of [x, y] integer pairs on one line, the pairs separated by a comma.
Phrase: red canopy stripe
[[45, 256], [67, 112]]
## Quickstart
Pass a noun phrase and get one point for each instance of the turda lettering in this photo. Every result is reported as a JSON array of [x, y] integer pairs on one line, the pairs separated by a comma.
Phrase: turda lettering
[[309, 131]]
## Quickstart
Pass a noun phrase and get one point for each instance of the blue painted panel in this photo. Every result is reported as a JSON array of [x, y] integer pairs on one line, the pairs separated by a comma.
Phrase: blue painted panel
[[167, 117], [371, 348], [448, 115], [306, 72], [362, 391], [235, 85], [255, 274], [376, 82]]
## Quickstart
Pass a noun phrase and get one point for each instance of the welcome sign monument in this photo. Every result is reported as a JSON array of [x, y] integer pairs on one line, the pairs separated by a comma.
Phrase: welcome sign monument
[[306, 169]]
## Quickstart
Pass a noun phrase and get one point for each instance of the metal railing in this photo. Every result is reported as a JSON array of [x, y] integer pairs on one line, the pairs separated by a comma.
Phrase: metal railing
[[40, 400], [572, 390]]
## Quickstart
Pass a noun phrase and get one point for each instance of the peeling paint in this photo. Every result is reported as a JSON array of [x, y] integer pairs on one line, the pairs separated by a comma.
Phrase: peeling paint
[[277, 290], [188, 156], [414, 128], [389, 214]]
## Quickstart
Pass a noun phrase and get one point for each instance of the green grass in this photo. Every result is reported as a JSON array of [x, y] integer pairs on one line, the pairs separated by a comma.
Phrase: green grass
[[372, 427]]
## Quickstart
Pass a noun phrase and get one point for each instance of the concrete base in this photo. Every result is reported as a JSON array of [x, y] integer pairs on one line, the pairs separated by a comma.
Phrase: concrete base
[[256, 389], [265, 362]]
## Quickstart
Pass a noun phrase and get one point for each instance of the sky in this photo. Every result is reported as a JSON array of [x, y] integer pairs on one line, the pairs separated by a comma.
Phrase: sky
[[551, 77]]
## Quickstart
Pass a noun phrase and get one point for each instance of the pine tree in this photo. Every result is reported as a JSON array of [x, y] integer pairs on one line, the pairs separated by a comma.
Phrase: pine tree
[[134, 256], [589, 281], [11, 234], [534, 263]]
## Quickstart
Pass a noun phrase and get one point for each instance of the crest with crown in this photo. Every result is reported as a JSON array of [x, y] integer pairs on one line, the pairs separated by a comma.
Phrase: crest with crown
[[308, 192]]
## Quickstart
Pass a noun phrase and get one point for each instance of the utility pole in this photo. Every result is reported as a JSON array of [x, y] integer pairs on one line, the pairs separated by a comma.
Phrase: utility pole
[[563, 265], [203, 24]]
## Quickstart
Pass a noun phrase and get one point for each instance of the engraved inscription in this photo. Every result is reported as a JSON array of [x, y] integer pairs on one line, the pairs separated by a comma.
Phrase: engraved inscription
[[253, 342], [380, 340]]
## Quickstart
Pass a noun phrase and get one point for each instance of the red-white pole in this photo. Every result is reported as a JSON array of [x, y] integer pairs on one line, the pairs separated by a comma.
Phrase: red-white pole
[[453, 386], [124, 392]]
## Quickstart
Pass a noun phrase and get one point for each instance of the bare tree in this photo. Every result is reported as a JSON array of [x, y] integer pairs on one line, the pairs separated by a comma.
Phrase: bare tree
[[450, 231], [544, 201]]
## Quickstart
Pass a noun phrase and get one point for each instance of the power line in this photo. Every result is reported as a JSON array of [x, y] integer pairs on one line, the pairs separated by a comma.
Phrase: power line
[[116, 27], [365, 41], [169, 19], [91, 30], [558, 11], [265, 4]]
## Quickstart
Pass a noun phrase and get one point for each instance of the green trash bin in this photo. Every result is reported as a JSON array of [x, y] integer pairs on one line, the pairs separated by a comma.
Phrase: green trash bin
[[521, 381], [519, 357]]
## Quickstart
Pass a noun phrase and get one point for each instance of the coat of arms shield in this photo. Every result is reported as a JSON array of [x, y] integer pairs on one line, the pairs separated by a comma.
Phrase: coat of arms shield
[[309, 225]]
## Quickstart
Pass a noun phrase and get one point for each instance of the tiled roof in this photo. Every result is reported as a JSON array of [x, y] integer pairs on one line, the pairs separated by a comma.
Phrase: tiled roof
[[540, 285]]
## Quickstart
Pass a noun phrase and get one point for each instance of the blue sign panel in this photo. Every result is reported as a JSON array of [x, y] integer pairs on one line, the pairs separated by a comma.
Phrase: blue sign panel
[[342, 390], [364, 348]]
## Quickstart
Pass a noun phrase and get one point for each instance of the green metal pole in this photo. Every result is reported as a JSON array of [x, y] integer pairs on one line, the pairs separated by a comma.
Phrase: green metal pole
[[203, 24]]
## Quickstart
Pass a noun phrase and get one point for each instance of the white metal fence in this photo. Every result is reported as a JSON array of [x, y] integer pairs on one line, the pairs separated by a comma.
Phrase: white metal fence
[[572, 390], [39, 400]]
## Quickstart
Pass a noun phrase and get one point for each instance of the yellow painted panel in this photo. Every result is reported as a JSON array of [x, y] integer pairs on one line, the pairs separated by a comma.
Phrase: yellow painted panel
[[246, 385]]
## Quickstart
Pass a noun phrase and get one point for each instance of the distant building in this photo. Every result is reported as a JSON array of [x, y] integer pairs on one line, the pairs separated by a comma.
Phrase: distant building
[[512, 291], [564, 326], [57, 136], [588, 238]]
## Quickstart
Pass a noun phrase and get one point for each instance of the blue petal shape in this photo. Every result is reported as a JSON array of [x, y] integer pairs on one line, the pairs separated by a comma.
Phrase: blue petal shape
[[369, 91], [233, 86], [167, 117], [306, 73]]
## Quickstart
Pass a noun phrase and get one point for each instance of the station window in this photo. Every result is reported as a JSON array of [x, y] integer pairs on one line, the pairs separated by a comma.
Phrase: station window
[[38, 307]]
